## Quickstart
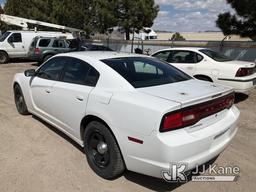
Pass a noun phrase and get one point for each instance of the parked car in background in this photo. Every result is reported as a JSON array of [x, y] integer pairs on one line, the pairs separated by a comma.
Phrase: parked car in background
[[208, 65], [92, 47], [43, 48], [129, 111], [15, 44]]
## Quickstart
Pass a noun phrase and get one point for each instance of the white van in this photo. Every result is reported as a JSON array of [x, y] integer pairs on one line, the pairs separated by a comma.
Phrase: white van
[[15, 44]]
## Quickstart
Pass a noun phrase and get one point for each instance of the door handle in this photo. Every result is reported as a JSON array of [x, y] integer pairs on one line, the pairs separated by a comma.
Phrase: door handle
[[47, 91], [79, 98], [189, 67]]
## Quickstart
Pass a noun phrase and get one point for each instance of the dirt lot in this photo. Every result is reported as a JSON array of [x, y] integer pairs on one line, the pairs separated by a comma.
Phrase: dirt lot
[[35, 157]]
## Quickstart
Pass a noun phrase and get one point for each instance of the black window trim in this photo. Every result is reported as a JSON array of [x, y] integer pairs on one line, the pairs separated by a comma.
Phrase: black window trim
[[60, 79]]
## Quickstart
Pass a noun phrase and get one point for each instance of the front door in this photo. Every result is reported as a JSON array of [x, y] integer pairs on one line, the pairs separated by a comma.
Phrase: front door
[[42, 87], [15, 46]]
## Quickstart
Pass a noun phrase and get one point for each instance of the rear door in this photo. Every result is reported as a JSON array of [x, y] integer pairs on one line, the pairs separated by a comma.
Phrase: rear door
[[184, 60], [72, 92]]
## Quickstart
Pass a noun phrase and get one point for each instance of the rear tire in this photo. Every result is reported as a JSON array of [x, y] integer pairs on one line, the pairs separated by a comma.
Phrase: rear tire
[[20, 101], [46, 58], [4, 58], [102, 151]]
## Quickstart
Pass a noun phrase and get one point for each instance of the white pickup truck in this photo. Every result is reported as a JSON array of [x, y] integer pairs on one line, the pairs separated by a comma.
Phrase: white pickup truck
[[15, 44]]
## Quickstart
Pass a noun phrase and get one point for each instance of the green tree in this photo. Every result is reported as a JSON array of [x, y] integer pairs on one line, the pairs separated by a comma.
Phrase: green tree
[[177, 37], [242, 23], [89, 15], [134, 15], [2, 24]]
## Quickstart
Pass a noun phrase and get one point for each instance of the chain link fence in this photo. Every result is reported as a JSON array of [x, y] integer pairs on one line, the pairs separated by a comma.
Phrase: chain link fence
[[239, 50]]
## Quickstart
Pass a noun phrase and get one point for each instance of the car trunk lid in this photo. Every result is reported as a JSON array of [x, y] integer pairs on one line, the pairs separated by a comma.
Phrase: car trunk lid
[[189, 92]]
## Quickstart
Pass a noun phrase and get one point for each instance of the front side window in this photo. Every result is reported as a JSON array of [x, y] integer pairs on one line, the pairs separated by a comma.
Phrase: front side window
[[163, 55], [15, 38], [215, 56], [52, 69], [79, 72], [183, 57], [146, 72], [4, 36]]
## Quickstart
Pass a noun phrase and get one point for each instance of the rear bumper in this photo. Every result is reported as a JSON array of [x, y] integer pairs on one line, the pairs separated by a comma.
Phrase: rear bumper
[[240, 85], [35, 57], [194, 147]]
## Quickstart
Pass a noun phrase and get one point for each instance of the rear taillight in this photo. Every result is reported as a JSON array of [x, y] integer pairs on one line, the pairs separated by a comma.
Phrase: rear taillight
[[242, 72], [191, 115], [37, 51]]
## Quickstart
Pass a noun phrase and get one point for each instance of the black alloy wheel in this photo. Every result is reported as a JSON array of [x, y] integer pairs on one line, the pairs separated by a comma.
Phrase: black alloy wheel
[[102, 151], [20, 101]]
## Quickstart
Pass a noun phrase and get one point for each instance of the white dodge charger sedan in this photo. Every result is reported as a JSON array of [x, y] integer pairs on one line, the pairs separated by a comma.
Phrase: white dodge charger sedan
[[208, 65], [128, 111]]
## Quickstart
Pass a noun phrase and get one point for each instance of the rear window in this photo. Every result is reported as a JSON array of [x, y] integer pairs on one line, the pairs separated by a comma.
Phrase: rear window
[[215, 55], [145, 72], [44, 42]]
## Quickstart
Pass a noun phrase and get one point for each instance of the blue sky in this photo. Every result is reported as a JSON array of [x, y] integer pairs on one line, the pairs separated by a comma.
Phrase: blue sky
[[187, 15]]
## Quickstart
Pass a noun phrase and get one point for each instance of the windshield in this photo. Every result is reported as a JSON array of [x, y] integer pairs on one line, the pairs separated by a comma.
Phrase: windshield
[[216, 56], [145, 71], [4, 36]]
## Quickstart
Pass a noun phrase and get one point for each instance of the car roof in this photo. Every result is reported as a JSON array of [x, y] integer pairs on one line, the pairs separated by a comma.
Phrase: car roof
[[100, 55]]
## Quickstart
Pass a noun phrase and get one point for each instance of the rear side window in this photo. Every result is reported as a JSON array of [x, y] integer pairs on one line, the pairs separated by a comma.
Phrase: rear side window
[[44, 42], [146, 72], [59, 44], [199, 57], [79, 72]]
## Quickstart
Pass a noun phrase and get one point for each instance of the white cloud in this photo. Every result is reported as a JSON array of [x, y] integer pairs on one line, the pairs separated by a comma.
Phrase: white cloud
[[187, 22], [190, 15]]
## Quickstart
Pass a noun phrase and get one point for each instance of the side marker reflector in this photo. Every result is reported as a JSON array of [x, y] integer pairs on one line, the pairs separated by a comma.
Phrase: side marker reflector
[[135, 140]]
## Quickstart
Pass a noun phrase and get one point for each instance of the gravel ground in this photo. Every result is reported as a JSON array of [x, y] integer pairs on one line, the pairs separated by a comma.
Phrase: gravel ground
[[35, 157]]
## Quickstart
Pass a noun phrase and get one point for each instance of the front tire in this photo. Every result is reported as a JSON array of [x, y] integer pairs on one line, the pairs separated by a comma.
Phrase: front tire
[[102, 151], [3, 57], [20, 101]]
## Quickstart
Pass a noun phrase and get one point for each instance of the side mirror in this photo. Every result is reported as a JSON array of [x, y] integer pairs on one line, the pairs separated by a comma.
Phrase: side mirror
[[30, 73]]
